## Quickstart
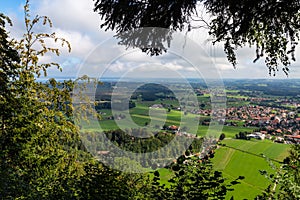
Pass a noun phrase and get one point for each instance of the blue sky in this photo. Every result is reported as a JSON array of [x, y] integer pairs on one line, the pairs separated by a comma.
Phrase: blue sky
[[8, 4], [11, 6], [95, 52]]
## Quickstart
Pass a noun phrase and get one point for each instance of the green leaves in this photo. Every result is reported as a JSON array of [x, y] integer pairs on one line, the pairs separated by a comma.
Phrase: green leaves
[[192, 179], [27, 47], [271, 26], [39, 146], [285, 180]]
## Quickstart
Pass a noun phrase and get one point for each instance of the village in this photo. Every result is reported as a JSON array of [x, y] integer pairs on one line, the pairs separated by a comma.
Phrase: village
[[280, 125]]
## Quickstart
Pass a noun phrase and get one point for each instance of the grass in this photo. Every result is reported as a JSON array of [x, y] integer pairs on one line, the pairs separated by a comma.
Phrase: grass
[[243, 158], [229, 131], [266, 147], [237, 96], [237, 158], [140, 116], [237, 103], [103, 125], [241, 164], [165, 175], [238, 122], [232, 91], [106, 113]]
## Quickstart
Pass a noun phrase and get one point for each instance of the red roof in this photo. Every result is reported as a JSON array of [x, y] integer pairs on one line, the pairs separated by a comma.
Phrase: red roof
[[294, 136], [279, 131], [264, 132], [173, 127]]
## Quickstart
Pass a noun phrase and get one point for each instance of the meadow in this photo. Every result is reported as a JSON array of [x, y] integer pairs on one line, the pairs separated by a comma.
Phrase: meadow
[[234, 158], [243, 158], [140, 116], [246, 158]]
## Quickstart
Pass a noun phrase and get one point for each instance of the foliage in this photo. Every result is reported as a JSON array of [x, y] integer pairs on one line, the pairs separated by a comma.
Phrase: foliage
[[244, 158], [222, 137], [271, 26], [146, 146], [242, 136], [101, 182], [41, 154], [125, 16], [193, 179], [121, 15], [285, 182], [39, 143]]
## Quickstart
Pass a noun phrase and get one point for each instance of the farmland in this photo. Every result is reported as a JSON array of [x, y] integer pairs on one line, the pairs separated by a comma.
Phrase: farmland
[[245, 158], [237, 158], [140, 115], [248, 111]]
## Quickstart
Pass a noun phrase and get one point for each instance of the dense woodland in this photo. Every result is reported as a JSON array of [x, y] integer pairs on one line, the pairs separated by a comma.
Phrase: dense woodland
[[141, 141], [42, 156]]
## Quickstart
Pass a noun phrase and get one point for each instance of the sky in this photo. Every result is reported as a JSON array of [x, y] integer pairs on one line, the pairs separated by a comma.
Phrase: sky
[[97, 53]]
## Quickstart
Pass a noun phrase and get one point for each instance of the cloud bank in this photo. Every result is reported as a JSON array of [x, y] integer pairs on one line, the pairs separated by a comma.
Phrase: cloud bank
[[97, 50]]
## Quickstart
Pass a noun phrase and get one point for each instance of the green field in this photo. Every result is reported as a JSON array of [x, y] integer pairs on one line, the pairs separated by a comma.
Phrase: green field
[[229, 131], [237, 103], [140, 116], [244, 158], [172, 119], [165, 175], [237, 158]]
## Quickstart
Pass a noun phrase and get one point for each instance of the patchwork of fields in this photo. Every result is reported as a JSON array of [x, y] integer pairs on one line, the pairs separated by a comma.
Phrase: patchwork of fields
[[140, 116], [235, 158]]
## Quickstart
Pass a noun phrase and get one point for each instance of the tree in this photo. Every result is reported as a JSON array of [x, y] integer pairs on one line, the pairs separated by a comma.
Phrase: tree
[[39, 144], [286, 179], [101, 182], [41, 155], [192, 179], [271, 26], [222, 137], [199, 182]]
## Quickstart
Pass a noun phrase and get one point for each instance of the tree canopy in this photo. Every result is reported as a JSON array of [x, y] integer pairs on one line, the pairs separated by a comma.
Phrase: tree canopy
[[271, 26]]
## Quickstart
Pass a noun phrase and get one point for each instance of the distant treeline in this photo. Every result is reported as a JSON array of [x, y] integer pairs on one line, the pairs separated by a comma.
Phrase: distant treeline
[[116, 105], [147, 92], [285, 87]]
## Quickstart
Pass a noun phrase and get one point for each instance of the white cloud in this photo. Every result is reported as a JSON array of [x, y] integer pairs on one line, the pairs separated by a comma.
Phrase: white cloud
[[81, 44], [117, 67], [76, 21], [70, 14], [223, 67]]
